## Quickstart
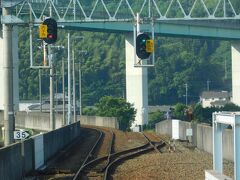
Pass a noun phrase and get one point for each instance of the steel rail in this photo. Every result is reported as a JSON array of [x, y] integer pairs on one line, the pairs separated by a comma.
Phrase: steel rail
[[113, 156], [150, 142], [89, 154], [138, 152], [110, 167], [111, 150], [94, 161]]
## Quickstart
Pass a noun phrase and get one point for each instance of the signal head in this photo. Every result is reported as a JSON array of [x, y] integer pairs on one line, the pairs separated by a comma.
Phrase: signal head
[[141, 42], [51, 30]]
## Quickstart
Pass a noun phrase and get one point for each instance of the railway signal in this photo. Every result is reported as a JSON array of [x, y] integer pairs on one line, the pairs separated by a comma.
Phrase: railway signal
[[48, 31], [144, 46]]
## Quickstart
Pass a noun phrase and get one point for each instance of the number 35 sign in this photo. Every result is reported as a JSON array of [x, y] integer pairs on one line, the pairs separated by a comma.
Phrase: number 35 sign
[[18, 135]]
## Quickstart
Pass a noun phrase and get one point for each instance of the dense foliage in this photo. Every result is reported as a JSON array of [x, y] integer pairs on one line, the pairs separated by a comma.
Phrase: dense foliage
[[179, 61], [153, 118], [205, 114], [197, 113], [117, 107]]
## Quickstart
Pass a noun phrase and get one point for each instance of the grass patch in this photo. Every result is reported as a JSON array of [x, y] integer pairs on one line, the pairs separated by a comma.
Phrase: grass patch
[[150, 130]]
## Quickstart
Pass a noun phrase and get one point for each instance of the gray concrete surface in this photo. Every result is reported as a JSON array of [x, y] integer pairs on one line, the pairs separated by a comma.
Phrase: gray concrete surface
[[41, 121], [11, 164], [56, 140], [202, 136], [99, 121], [164, 127], [28, 155], [18, 159], [182, 130]]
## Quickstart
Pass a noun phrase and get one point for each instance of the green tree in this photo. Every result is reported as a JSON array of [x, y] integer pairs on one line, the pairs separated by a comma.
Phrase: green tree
[[230, 107], [179, 111], [154, 117], [178, 61], [204, 115], [198, 112], [89, 111], [117, 107]]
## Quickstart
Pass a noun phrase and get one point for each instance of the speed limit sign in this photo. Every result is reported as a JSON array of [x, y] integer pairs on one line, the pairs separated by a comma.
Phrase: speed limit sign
[[18, 135]]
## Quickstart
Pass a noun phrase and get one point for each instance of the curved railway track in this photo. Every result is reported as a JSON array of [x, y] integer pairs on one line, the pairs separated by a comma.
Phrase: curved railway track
[[99, 159], [90, 154], [111, 160], [149, 146], [96, 165]]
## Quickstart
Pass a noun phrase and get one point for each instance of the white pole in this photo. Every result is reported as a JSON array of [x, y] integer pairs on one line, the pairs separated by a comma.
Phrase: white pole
[[40, 89], [138, 23], [69, 81], [52, 112], [74, 88], [80, 89], [63, 91]]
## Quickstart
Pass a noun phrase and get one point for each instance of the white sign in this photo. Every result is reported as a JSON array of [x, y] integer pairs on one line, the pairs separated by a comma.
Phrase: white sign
[[189, 132], [18, 135]]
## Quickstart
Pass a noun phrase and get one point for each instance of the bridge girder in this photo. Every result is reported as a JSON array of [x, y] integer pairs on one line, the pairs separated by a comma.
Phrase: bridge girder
[[220, 18], [172, 28], [126, 10]]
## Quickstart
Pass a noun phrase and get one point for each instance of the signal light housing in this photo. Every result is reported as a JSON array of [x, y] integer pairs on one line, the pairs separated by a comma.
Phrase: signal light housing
[[51, 30], [141, 46]]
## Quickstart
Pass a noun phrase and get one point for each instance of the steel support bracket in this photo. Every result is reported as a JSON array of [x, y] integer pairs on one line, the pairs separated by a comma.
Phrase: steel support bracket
[[220, 121], [10, 19]]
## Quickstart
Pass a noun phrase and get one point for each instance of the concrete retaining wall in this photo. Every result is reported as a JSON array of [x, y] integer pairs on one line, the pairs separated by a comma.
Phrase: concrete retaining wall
[[100, 121], [36, 120], [19, 158], [11, 167], [41, 121], [28, 155], [183, 126], [164, 127], [202, 136], [56, 140]]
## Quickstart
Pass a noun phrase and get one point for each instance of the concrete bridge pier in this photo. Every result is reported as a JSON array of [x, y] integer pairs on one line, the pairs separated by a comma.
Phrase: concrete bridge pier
[[236, 72], [136, 84]]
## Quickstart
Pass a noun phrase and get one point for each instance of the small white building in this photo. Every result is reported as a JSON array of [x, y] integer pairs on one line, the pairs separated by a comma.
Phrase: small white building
[[214, 98], [25, 105]]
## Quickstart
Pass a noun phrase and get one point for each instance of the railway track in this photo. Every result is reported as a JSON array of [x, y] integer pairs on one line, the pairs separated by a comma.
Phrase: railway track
[[109, 162], [65, 163], [99, 159], [149, 146], [90, 154], [97, 165]]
